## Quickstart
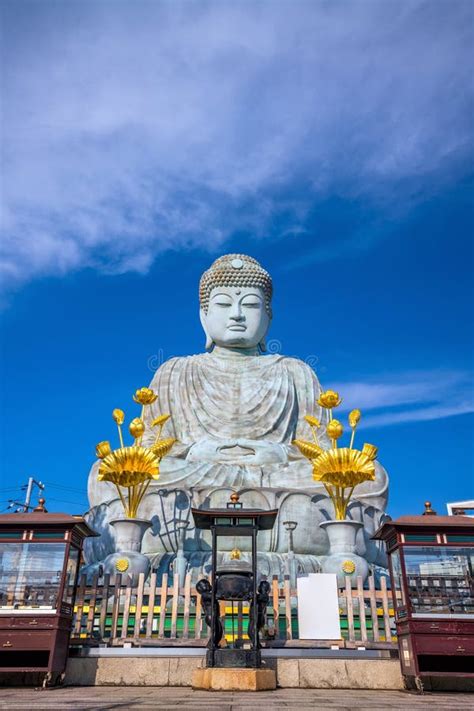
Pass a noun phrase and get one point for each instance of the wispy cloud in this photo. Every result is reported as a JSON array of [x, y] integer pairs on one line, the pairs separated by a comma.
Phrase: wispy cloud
[[423, 414], [410, 397], [134, 127]]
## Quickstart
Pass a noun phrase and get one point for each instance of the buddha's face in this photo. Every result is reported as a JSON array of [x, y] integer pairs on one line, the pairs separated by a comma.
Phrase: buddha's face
[[236, 317]]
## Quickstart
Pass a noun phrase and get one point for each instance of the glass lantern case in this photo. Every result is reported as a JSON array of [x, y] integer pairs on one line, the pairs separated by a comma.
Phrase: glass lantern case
[[431, 562], [234, 580], [39, 561]]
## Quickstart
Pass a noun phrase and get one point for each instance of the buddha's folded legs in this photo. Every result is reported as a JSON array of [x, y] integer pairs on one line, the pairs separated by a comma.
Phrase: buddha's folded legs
[[168, 508]]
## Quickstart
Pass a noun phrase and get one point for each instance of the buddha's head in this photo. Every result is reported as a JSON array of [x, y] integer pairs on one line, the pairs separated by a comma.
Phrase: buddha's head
[[235, 297]]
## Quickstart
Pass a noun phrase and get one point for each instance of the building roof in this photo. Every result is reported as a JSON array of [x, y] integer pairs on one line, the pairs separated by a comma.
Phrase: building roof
[[204, 518], [424, 521], [40, 519]]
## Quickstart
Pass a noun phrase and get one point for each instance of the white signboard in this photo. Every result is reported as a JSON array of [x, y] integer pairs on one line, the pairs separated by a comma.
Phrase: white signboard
[[318, 607]]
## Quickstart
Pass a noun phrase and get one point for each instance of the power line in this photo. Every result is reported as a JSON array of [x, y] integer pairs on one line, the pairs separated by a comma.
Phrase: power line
[[65, 488], [63, 501]]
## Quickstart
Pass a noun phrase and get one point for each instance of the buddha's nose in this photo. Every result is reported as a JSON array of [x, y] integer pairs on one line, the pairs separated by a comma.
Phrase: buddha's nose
[[236, 313]]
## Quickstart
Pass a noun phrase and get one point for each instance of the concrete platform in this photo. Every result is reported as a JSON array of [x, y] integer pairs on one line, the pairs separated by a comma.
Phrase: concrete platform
[[231, 679], [173, 698]]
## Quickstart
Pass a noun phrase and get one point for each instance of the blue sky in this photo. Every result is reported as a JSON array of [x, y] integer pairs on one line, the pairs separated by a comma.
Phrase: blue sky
[[331, 141]]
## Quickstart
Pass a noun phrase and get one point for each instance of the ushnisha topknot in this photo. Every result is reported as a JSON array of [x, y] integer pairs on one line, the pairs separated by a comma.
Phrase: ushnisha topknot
[[235, 270]]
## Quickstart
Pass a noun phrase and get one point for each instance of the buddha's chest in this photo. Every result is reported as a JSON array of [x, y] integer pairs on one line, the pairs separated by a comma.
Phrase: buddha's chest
[[242, 388], [237, 403]]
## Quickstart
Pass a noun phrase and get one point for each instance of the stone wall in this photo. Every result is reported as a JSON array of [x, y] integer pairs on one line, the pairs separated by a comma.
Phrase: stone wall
[[177, 671]]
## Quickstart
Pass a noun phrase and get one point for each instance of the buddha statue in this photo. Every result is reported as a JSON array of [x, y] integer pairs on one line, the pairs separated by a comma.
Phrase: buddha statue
[[235, 411]]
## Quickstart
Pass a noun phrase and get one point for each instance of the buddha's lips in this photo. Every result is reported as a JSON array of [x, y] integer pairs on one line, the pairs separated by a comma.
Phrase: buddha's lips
[[236, 327]]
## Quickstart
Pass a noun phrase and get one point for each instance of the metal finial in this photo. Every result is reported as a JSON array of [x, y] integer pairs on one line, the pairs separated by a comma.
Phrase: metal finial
[[428, 510], [41, 506], [234, 497]]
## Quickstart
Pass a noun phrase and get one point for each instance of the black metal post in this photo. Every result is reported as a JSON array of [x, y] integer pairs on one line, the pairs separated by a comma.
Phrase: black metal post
[[254, 604], [213, 595]]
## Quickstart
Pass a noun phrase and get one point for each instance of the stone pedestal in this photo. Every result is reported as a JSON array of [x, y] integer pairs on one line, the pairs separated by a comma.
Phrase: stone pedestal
[[231, 679]]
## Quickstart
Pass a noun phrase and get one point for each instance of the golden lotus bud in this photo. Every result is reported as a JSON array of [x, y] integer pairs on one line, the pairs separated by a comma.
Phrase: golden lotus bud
[[370, 451], [136, 428], [312, 421], [145, 396], [119, 416], [354, 418], [329, 399], [102, 449], [334, 429], [235, 554]]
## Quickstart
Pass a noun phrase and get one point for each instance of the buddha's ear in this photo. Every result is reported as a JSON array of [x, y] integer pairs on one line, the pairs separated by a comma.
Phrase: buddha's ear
[[209, 342]]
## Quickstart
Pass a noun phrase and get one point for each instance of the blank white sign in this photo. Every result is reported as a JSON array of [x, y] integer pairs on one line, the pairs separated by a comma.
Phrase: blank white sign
[[318, 607]]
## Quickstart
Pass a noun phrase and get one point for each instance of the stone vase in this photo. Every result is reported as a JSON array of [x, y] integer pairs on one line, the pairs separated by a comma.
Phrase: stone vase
[[343, 559], [128, 558]]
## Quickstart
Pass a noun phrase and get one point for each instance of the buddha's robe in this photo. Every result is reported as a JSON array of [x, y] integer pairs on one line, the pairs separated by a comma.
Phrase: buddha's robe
[[234, 418]]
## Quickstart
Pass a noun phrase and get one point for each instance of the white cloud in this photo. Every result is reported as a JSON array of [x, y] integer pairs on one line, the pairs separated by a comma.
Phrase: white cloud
[[133, 127], [410, 397], [436, 412]]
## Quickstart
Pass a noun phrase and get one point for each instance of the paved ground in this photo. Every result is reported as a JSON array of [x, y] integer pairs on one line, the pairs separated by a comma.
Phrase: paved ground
[[105, 698]]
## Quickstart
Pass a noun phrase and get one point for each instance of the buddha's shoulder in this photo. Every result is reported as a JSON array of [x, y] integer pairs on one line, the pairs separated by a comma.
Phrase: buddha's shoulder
[[297, 366], [178, 363], [294, 366]]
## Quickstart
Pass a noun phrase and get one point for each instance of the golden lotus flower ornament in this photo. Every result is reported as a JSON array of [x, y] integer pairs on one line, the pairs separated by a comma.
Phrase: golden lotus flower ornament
[[160, 421], [370, 451], [340, 469], [329, 399], [334, 429], [129, 466], [102, 449], [145, 396], [354, 418], [132, 469], [162, 447], [308, 449], [119, 416], [136, 428], [343, 465]]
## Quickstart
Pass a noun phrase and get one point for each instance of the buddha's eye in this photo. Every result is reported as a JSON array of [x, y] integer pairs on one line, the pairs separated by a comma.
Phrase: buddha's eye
[[251, 304], [224, 304]]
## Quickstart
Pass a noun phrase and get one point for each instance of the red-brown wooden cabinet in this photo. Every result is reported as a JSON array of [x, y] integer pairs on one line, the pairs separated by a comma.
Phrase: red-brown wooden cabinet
[[40, 555], [431, 562]]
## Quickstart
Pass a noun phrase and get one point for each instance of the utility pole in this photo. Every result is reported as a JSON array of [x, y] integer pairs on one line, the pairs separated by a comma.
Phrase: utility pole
[[25, 507], [29, 490]]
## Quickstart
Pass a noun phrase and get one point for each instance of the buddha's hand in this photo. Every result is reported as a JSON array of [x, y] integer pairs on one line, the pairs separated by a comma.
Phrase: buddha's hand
[[238, 451]]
